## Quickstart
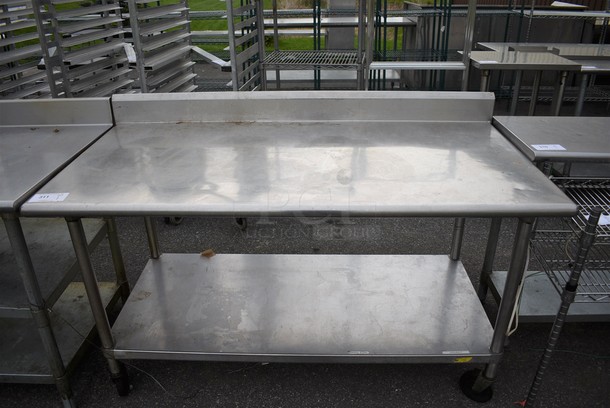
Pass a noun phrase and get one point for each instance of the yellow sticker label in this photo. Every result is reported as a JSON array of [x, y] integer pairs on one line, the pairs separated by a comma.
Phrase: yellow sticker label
[[462, 360]]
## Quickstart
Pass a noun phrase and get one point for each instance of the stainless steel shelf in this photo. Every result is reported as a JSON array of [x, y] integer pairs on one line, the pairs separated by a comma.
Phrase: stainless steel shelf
[[375, 308], [540, 300], [555, 252], [22, 355]]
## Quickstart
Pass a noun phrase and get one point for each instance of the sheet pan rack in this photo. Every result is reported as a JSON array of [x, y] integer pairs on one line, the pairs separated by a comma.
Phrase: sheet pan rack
[[83, 47], [20, 53], [162, 43]]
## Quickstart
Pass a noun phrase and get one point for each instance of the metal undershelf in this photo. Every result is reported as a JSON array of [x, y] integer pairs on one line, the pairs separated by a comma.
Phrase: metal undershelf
[[340, 308], [555, 252], [22, 356]]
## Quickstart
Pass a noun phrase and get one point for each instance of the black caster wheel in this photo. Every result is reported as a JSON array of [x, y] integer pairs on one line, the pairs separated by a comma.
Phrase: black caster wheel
[[242, 223], [174, 220], [122, 383], [467, 380]]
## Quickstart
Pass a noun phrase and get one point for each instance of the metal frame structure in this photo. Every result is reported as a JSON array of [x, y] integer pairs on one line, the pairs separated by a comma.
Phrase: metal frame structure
[[161, 38], [83, 47]]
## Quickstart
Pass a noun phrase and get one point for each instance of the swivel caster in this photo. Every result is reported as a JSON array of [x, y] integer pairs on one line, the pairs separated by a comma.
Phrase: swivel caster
[[467, 381]]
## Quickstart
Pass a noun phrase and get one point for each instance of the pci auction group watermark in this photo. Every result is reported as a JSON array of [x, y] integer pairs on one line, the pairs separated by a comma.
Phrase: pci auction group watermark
[[326, 230]]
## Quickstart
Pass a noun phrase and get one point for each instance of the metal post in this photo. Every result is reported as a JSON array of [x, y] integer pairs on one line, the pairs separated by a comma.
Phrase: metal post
[[567, 297], [232, 49], [581, 94], [37, 306], [370, 43], [79, 241], [361, 42], [468, 38], [484, 80], [535, 90], [490, 254], [276, 44], [559, 91], [516, 89], [511, 287], [117, 258], [458, 235], [153, 239], [260, 26]]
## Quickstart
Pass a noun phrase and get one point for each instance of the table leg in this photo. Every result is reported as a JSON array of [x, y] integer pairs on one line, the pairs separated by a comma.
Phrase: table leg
[[490, 254], [516, 89], [458, 235], [484, 80], [79, 241], [477, 384], [117, 258], [153, 239], [559, 91], [38, 307], [581, 94], [535, 89]]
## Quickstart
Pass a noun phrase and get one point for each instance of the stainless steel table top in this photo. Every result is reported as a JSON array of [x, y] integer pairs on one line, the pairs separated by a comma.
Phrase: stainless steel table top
[[302, 167], [592, 66], [38, 138], [566, 50], [558, 138], [519, 60]]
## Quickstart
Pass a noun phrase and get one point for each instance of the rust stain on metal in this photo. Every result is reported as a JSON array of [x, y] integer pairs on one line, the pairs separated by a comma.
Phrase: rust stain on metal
[[208, 253]]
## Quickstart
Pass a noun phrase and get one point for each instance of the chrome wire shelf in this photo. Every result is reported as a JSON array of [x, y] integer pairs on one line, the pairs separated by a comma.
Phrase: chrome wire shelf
[[296, 60], [555, 252], [589, 193]]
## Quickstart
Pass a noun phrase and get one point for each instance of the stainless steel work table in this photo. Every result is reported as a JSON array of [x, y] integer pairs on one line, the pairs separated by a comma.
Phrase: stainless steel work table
[[306, 154], [593, 58], [566, 50], [565, 140], [38, 139], [520, 61], [558, 139]]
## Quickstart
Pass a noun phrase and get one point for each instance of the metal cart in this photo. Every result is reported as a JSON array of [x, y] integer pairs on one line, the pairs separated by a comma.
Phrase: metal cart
[[39, 300], [305, 154]]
